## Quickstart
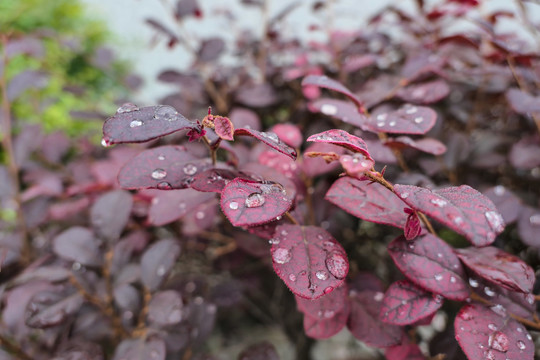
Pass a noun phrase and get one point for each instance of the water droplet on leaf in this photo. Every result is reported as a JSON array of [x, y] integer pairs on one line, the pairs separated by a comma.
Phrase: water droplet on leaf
[[492, 326], [105, 143], [438, 202], [438, 277], [329, 109], [418, 120], [337, 265], [488, 291], [233, 205], [499, 310], [405, 195], [281, 256], [190, 169], [378, 296], [127, 107], [321, 275], [164, 186], [292, 277], [521, 345], [199, 215], [495, 220], [499, 190], [535, 219], [411, 110], [165, 113], [473, 282], [161, 157], [161, 270], [135, 123], [158, 174], [255, 200], [328, 290]]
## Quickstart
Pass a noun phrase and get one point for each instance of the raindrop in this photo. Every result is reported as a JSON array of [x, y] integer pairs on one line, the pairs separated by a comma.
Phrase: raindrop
[[76, 266], [158, 174], [439, 255], [161, 270], [164, 186], [403, 302], [321, 275], [199, 215], [105, 143], [337, 264], [452, 279], [519, 330], [411, 110], [405, 195], [495, 220], [499, 310], [329, 109], [284, 233], [490, 355], [438, 277], [392, 123], [529, 337], [418, 119], [233, 205], [465, 315], [274, 241], [499, 190], [190, 169], [535, 219], [292, 277], [127, 107], [521, 345], [458, 220], [135, 123], [165, 113], [473, 282], [488, 291], [530, 298], [281, 256], [382, 117], [438, 202], [329, 313], [492, 326], [328, 290], [378, 296], [182, 206], [380, 124], [255, 200], [161, 157], [272, 136]]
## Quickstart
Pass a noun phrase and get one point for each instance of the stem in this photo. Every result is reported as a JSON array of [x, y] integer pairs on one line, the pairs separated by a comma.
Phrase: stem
[[290, 218], [216, 96], [140, 330], [14, 349], [213, 152]]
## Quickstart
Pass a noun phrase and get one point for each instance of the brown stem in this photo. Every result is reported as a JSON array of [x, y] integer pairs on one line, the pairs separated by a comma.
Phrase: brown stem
[[14, 349], [140, 330], [290, 218], [213, 152], [217, 97]]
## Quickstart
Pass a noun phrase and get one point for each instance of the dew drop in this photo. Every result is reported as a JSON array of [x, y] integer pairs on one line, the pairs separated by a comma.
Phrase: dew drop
[[535, 219], [190, 169], [403, 302], [255, 200], [530, 299], [292, 277], [182, 206], [438, 202], [321, 275], [521, 345], [438, 277], [284, 233], [490, 355], [458, 220], [337, 264], [161, 270], [466, 315], [158, 174], [233, 205], [382, 117], [405, 195], [439, 255], [161, 157], [165, 113], [378, 296], [127, 107], [492, 326], [164, 186], [411, 110], [329, 109], [473, 282], [105, 143], [495, 221], [529, 337], [281, 256], [199, 215], [272, 136], [499, 190], [499, 310], [418, 120], [135, 123], [439, 299], [329, 313], [274, 241], [380, 124], [519, 329], [76, 266], [452, 279], [392, 123], [488, 291], [328, 290]]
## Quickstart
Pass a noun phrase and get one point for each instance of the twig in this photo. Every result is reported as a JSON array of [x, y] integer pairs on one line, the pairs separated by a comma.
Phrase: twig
[[290, 218], [140, 330]]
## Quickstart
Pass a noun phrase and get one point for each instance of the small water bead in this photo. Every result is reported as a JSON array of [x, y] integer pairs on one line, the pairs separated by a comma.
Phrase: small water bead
[[329, 313], [458, 220], [519, 329], [405, 195], [158, 174], [499, 310], [521, 345], [292, 277], [274, 241], [499, 190], [439, 299], [182, 206], [473, 282], [165, 113], [127, 107], [164, 186], [233, 205], [438, 277], [329, 109], [380, 124], [337, 265], [411, 110], [452, 279], [270, 135], [529, 337], [161, 270], [404, 302], [439, 255], [105, 143], [438, 202], [488, 291], [76, 266], [281, 256], [535, 219], [530, 299], [392, 123], [418, 120], [378, 296], [492, 326], [199, 215], [161, 157], [255, 200], [382, 117], [135, 123], [190, 169], [495, 220], [321, 275], [284, 233]]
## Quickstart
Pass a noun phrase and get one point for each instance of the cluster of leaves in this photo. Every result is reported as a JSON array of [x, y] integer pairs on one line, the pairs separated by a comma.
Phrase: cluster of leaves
[[354, 197]]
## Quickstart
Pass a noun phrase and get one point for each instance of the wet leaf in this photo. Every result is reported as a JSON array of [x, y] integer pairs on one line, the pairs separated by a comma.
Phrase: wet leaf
[[158, 261], [430, 263], [413, 228], [214, 180], [356, 165], [463, 209], [270, 139], [529, 226], [169, 206], [50, 308], [408, 119], [405, 303], [248, 203], [425, 93], [140, 349], [327, 83], [483, 334], [342, 138], [165, 308], [288, 133], [325, 307], [427, 145], [110, 214], [324, 328], [368, 201], [340, 109], [309, 260], [132, 124], [224, 128], [78, 244], [499, 267], [508, 204]]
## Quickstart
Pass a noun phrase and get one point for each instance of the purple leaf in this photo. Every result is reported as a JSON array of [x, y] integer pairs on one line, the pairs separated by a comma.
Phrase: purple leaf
[[368, 201], [270, 139], [132, 124], [158, 261], [529, 226], [110, 214], [405, 303], [340, 109], [78, 244], [356, 165], [245, 118], [210, 49], [260, 351], [27, 79], [288, 133], [421, 63], [257, 96], [324, 328], [309, 260], [50, 308], [408, 119], [281, 163], [525, 154], [172, 38], [413, 227], [168, 206], [165, 308], [248, 203], [427, 145], [463, 209], [342, 138], [165, 168], [483, 334], [141, 349], [214, 180], [430, 263], [522, 102], [327, 83], [508, 204], [499, 267], [364, 322], [325, 307], [187, 8], [425, 93], [224, 128]]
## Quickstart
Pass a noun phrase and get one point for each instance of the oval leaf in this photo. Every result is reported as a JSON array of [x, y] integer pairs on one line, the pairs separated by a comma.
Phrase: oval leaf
[[224, 128], [409, 119], [169, 206], [463, 209], [405, 303], [324, 81], [429, 262], [165, 308], [309, 260], [132, 124], [340, 109], [78, 244], [342, 138], [110, 214], [425, 93], [270, 139], [427, 145], [289, 134], [248, 203], [324, 328], [325, 307], [50, 308], [214, 180], [508, 204], [158, 261]]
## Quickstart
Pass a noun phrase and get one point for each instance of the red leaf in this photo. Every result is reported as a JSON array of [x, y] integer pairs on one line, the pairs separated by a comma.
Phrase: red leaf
[[325, 307], [214, 180], [408, 119], [325, 328], [413, 227], [483, 334], [340, 109], [404, 352], [462, 209], [281, 163], [248, 203], [429, 262], [364, 322], [131, 124], [309, 260], [356, 165], [327, 83], [425, 93], [289, 133], [368, 201], [427, 145], [224, 128], [169, 206], [270, 139], [499, 267], [508, 204], [165, 167], [342, 138], [405, 303]]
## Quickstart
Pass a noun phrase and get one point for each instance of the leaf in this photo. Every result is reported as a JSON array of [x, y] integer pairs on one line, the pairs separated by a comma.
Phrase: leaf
[[214, 180], [309, 260], [158, 261], [529, 226], [245, 118], [78, 244], [210, 49], [165, 308], [408, 119], [325, 307], [224, 128], [283, 164], [525, 154], [257, 96], [187, 8], [170, 206], [483, 334], [140, 349], [270, 139], [364, 322], [404, 352], [340, 109], [463, 209], [430, 263], [165, 167], [427, 145], [508, 204], [248, 203], [290, 134], [172, 38], [324, 328], [413, 228], [342, 138], [405, 303], [132, 124], [110, 214], [421, 63], [522, 102], [356, 165], [367, 201], [260, 351], [499, 267], [127, 298], [50, 308], [327, 83], [428, 92]]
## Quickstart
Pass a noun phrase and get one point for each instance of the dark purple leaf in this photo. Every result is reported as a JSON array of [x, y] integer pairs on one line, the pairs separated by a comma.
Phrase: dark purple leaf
[[210, 49], [140, 349], [425, 93], [427, 145], [483, 334], [270, 139], [342, 138], [353, 63], [158, 261], [368, 201], [224, 128], [421, 63], [132, 124], [404, 352], [78, 244], [172, 38], [288, 133], [245, 118], [27, 79], [260, 95], [133, 242], [408, 119], [247, 203], [522, 102], [165, 308], [340, 109], [499, 267], [214, 180], [164, 168], [77, 349], [529, 226], [110, 214], [324, 328], [327, 83], [325, 307], [315, 166], [380, 153], [50, 308], [508, 204], [309, 260], [187, 8], [127, 299], [430, 263], [525, 154], [260, 351], [50, 273], [463, 209], [169, 206], [405, 303], [364, 322]]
